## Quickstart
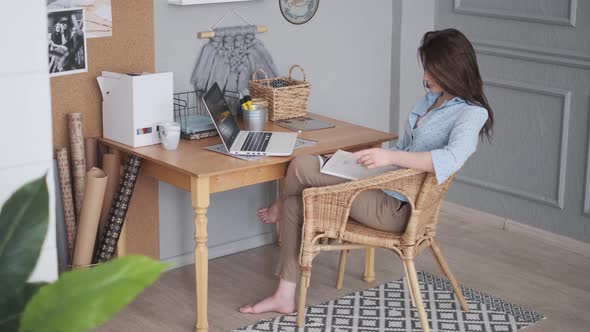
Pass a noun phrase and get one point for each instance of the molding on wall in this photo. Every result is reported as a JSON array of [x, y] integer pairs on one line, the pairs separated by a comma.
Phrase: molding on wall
[[535, 50], [224, 249], [587, 191], [560, 241], [510, 191], [532, 53], [511, 15], [566, 107]]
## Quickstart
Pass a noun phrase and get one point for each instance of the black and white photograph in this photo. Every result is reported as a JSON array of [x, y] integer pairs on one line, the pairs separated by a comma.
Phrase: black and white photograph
[[66, 42], [98, 18]]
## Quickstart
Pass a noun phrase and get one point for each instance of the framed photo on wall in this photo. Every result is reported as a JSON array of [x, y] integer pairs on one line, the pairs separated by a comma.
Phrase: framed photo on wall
[[298, 11], [66, 42]]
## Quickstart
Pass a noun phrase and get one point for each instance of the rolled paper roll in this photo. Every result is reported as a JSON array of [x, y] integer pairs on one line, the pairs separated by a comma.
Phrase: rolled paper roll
[[108, 243], [111, 165], [65, 184], [61, 238], [96, 184], [78, 159], [102, 150], [91, 153]]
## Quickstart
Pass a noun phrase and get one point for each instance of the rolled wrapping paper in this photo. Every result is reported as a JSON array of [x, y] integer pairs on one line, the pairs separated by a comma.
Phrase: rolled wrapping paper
[[91, 153], [112, 167], [118, 211], [96, 184], [78, 159], [102, 150], [61, 238], [65, 184]]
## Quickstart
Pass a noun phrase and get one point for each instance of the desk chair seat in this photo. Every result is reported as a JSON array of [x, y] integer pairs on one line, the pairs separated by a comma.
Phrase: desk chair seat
[[358, 233], [326, 217]]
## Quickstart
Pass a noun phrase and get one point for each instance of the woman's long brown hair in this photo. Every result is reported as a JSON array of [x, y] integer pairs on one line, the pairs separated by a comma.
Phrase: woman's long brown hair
[[448, 56]]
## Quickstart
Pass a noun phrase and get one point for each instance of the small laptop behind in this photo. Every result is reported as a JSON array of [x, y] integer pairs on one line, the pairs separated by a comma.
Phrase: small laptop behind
[[244, 142]]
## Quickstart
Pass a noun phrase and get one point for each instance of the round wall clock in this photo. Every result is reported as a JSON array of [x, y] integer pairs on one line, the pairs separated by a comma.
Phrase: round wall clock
[[298, 11]]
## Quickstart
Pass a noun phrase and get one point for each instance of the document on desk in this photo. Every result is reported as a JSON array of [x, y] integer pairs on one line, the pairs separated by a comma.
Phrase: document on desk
[[304, 123], [343, 164]]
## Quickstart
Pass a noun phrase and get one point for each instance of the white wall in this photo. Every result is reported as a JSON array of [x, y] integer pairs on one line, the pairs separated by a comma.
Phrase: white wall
[[25, 136], [346, 53]]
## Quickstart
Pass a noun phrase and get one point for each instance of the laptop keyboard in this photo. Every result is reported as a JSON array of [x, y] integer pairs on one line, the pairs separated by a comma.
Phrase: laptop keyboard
[[256, 141]]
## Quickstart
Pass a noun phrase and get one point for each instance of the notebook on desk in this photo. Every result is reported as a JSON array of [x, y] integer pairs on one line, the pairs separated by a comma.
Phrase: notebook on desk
[[304, 123]]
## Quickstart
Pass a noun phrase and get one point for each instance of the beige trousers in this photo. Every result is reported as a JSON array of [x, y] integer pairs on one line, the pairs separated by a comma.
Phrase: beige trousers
[[373, 208]]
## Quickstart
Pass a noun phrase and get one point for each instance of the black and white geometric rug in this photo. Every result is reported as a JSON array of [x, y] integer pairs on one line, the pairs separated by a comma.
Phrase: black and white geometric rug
[[388, 307]]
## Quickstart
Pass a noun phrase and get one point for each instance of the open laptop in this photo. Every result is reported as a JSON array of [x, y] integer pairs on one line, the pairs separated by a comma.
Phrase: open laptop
[[243, 142]]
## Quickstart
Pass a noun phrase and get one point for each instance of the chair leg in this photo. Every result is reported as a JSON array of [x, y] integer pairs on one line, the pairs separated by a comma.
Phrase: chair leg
[[369, 275], [444, 267], [409, 287], [341, 268], [303, 284], [413, 278]]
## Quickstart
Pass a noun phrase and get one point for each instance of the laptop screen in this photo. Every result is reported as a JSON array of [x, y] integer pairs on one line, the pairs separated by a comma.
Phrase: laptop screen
[[224, 121]]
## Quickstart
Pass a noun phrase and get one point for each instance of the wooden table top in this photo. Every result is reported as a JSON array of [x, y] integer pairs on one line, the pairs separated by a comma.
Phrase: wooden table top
[[192, 159]]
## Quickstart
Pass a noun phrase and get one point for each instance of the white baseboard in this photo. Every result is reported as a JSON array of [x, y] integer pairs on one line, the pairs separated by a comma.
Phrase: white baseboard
[[224, 249], [560, 241]]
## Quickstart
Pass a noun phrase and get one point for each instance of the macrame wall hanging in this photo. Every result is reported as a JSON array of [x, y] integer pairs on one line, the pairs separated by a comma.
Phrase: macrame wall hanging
[[230, 57]]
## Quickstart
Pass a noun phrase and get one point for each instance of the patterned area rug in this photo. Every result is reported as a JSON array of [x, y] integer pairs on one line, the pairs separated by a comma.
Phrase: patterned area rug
[[388, 307]]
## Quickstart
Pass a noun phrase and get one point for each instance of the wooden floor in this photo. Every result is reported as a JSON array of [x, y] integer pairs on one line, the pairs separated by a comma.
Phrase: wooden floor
[[517, 268]]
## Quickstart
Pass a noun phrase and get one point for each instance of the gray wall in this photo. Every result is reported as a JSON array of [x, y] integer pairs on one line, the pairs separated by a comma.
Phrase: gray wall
[[346, 52], [415, 18], [396, 27], [535, 61]]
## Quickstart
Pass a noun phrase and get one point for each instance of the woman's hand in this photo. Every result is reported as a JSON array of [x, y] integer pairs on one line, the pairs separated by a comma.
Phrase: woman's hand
[[376, 157]]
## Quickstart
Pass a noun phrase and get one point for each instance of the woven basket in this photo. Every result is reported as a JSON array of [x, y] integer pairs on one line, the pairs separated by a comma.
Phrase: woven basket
[[287, 98]]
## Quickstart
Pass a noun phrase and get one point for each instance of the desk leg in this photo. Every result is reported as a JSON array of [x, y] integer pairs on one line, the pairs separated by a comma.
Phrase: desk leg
[[200, 202]]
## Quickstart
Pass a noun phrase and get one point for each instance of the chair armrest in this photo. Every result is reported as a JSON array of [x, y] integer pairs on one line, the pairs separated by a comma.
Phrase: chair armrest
[[327, 208]]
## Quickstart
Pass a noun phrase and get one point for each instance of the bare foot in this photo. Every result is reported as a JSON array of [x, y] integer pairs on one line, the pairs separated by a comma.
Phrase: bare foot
[[270, 215], [270, 304]]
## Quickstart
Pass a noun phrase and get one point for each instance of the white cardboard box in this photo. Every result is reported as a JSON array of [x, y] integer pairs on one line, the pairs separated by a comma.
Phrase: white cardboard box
[[133, 105]]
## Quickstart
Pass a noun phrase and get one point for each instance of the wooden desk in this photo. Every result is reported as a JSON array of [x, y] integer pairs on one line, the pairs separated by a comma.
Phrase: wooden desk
[[203, 172]]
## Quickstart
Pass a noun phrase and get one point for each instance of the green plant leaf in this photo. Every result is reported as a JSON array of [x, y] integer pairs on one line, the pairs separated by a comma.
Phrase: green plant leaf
[[23, 225], [83, 299], [11, 306]]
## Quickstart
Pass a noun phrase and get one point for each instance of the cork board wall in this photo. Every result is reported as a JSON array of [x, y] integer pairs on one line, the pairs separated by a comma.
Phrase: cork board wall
[[130, 49]]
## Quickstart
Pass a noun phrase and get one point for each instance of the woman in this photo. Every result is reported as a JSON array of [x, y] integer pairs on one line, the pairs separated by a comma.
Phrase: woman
[[441, 133], [57, 46]]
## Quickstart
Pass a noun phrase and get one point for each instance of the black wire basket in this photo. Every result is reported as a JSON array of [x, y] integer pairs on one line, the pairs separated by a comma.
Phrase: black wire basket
[[191, 114]]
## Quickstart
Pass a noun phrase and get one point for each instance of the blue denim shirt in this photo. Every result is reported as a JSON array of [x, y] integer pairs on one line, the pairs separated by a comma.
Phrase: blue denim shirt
[[450, 132]]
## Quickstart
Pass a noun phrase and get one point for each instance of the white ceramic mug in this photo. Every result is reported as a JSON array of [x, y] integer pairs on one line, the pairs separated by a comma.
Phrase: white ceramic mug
[[169, 133]]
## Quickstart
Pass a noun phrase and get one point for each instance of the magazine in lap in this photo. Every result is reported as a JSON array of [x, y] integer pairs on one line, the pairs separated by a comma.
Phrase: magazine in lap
[[343, 164]]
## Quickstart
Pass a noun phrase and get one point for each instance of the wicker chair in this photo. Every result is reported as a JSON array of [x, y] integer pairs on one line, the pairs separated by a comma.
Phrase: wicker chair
[[326, 211]]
